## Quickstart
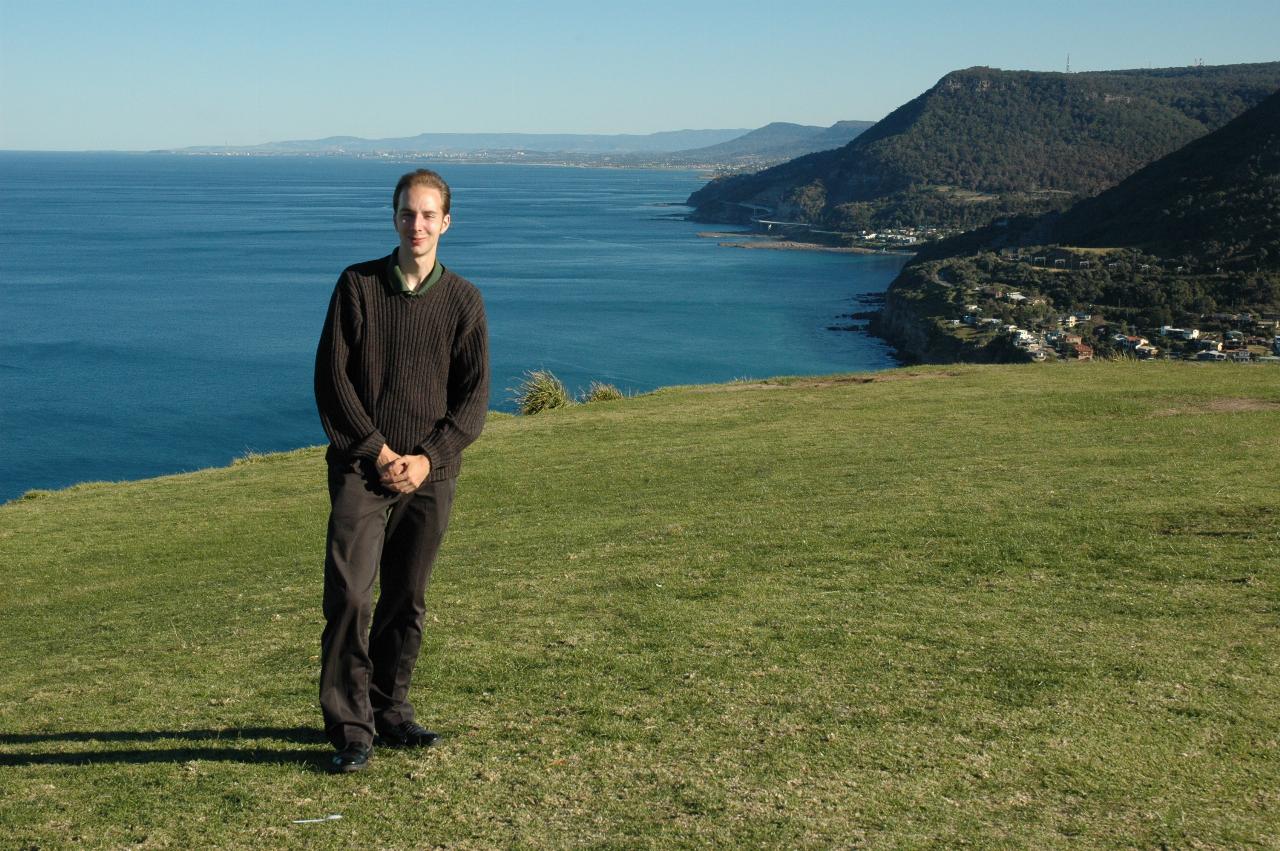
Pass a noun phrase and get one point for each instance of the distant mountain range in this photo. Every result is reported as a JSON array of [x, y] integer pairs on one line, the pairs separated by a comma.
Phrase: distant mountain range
[[735, 148], [984, 143], [465, 143], [776, 142]]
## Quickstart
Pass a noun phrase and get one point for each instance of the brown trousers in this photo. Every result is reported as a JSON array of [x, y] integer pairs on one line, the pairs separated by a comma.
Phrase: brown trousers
[[366, 667]]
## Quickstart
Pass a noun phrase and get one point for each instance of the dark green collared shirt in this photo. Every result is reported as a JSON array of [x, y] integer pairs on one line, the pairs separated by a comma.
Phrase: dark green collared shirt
[[398, 276]]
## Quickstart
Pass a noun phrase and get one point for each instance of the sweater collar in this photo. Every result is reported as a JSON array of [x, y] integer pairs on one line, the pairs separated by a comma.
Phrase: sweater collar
[[400, 285]]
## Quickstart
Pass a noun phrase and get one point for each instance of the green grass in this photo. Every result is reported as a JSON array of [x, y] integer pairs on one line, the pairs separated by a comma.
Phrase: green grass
[[995, 607]]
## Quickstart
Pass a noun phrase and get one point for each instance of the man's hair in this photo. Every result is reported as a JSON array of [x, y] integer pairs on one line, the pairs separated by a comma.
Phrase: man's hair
[[421, 177]]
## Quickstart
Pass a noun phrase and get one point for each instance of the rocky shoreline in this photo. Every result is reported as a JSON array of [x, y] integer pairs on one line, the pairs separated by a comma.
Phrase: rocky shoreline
[[914, 340]]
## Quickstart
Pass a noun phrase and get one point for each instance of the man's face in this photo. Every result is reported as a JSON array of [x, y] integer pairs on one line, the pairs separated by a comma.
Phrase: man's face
[[420, 220]]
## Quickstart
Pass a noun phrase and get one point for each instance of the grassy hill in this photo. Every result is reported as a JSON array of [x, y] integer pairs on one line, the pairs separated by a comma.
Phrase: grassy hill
[[996, 606]]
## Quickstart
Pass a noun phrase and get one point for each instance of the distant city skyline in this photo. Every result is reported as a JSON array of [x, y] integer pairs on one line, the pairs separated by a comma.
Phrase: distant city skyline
[[139, 76]]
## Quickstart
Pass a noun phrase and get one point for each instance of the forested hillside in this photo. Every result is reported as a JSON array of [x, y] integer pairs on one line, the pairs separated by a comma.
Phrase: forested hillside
[[985, 143], [1192, 240], [1215, 201]]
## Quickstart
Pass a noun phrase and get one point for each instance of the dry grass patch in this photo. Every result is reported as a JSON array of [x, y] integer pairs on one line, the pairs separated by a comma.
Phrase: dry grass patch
[[1219, 406]]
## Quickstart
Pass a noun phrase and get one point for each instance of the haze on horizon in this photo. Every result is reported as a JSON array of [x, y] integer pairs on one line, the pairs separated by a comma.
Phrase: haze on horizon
[[83, 76]]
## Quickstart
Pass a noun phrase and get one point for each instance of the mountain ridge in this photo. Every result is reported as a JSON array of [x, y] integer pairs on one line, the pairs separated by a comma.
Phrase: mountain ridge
[[778, 141], [734, 148], [984, 142], [1192, 239], [598, 143]]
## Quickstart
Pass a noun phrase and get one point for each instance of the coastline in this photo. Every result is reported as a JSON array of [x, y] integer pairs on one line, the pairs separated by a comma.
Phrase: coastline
[[747, 239], [223, 404]]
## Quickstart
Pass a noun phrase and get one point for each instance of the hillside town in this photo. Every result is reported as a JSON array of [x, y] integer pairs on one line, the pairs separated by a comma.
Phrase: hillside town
[[1044, 334]]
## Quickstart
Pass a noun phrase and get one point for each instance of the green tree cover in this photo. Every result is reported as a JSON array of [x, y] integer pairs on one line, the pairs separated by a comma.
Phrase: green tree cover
[[938, 206], [1022, 141], [1195, 233], [1217, 200], [1126, 286]]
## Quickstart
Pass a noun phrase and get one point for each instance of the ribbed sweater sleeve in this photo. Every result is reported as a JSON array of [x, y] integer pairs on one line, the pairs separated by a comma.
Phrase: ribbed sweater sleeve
[[343, 415], [468, 390]]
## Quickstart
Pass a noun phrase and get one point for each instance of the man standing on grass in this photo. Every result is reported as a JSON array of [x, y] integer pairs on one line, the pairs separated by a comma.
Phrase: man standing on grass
[[402, 385]]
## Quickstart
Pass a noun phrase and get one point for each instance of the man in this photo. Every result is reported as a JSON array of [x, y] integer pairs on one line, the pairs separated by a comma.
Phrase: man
[[402, 386]]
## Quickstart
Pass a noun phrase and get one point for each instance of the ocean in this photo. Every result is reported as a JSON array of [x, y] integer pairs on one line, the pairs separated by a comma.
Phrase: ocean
[[159, 313]]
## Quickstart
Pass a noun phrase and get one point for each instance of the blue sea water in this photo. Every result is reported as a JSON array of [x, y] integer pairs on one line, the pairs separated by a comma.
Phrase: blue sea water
[[159, 313]]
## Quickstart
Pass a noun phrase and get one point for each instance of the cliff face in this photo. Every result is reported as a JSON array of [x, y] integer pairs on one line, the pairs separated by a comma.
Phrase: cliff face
[[985, 142], [916, 338], [905, 331]]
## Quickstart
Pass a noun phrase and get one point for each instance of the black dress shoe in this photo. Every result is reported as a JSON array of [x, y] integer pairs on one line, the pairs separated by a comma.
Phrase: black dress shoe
[[353, 757], [409, 734]]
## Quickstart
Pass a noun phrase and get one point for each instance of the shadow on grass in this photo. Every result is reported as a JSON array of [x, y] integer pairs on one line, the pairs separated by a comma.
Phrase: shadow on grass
[[232, 744]]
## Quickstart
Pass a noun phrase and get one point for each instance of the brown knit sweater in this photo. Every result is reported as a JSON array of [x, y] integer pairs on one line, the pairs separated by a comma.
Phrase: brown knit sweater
[[408, 371]]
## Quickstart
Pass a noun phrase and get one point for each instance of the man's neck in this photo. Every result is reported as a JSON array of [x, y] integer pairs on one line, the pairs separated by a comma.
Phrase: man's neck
[[415, 269]]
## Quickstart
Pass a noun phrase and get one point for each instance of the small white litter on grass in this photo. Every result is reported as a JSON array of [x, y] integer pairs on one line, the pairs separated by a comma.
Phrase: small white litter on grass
[[332, 817]]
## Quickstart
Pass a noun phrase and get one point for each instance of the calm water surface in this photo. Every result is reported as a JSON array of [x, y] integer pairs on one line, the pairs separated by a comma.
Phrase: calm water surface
[[160, 313]]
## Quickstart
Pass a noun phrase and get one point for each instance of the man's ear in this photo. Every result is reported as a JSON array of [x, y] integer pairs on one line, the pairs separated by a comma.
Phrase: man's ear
[[445, 222]]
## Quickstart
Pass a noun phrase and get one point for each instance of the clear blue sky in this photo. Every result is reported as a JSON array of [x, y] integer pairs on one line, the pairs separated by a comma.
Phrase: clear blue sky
[[137, 75]]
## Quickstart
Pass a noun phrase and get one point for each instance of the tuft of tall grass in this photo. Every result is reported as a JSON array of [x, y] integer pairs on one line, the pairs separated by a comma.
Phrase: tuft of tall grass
[[541, 391], [249, 457], [601, 392]]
